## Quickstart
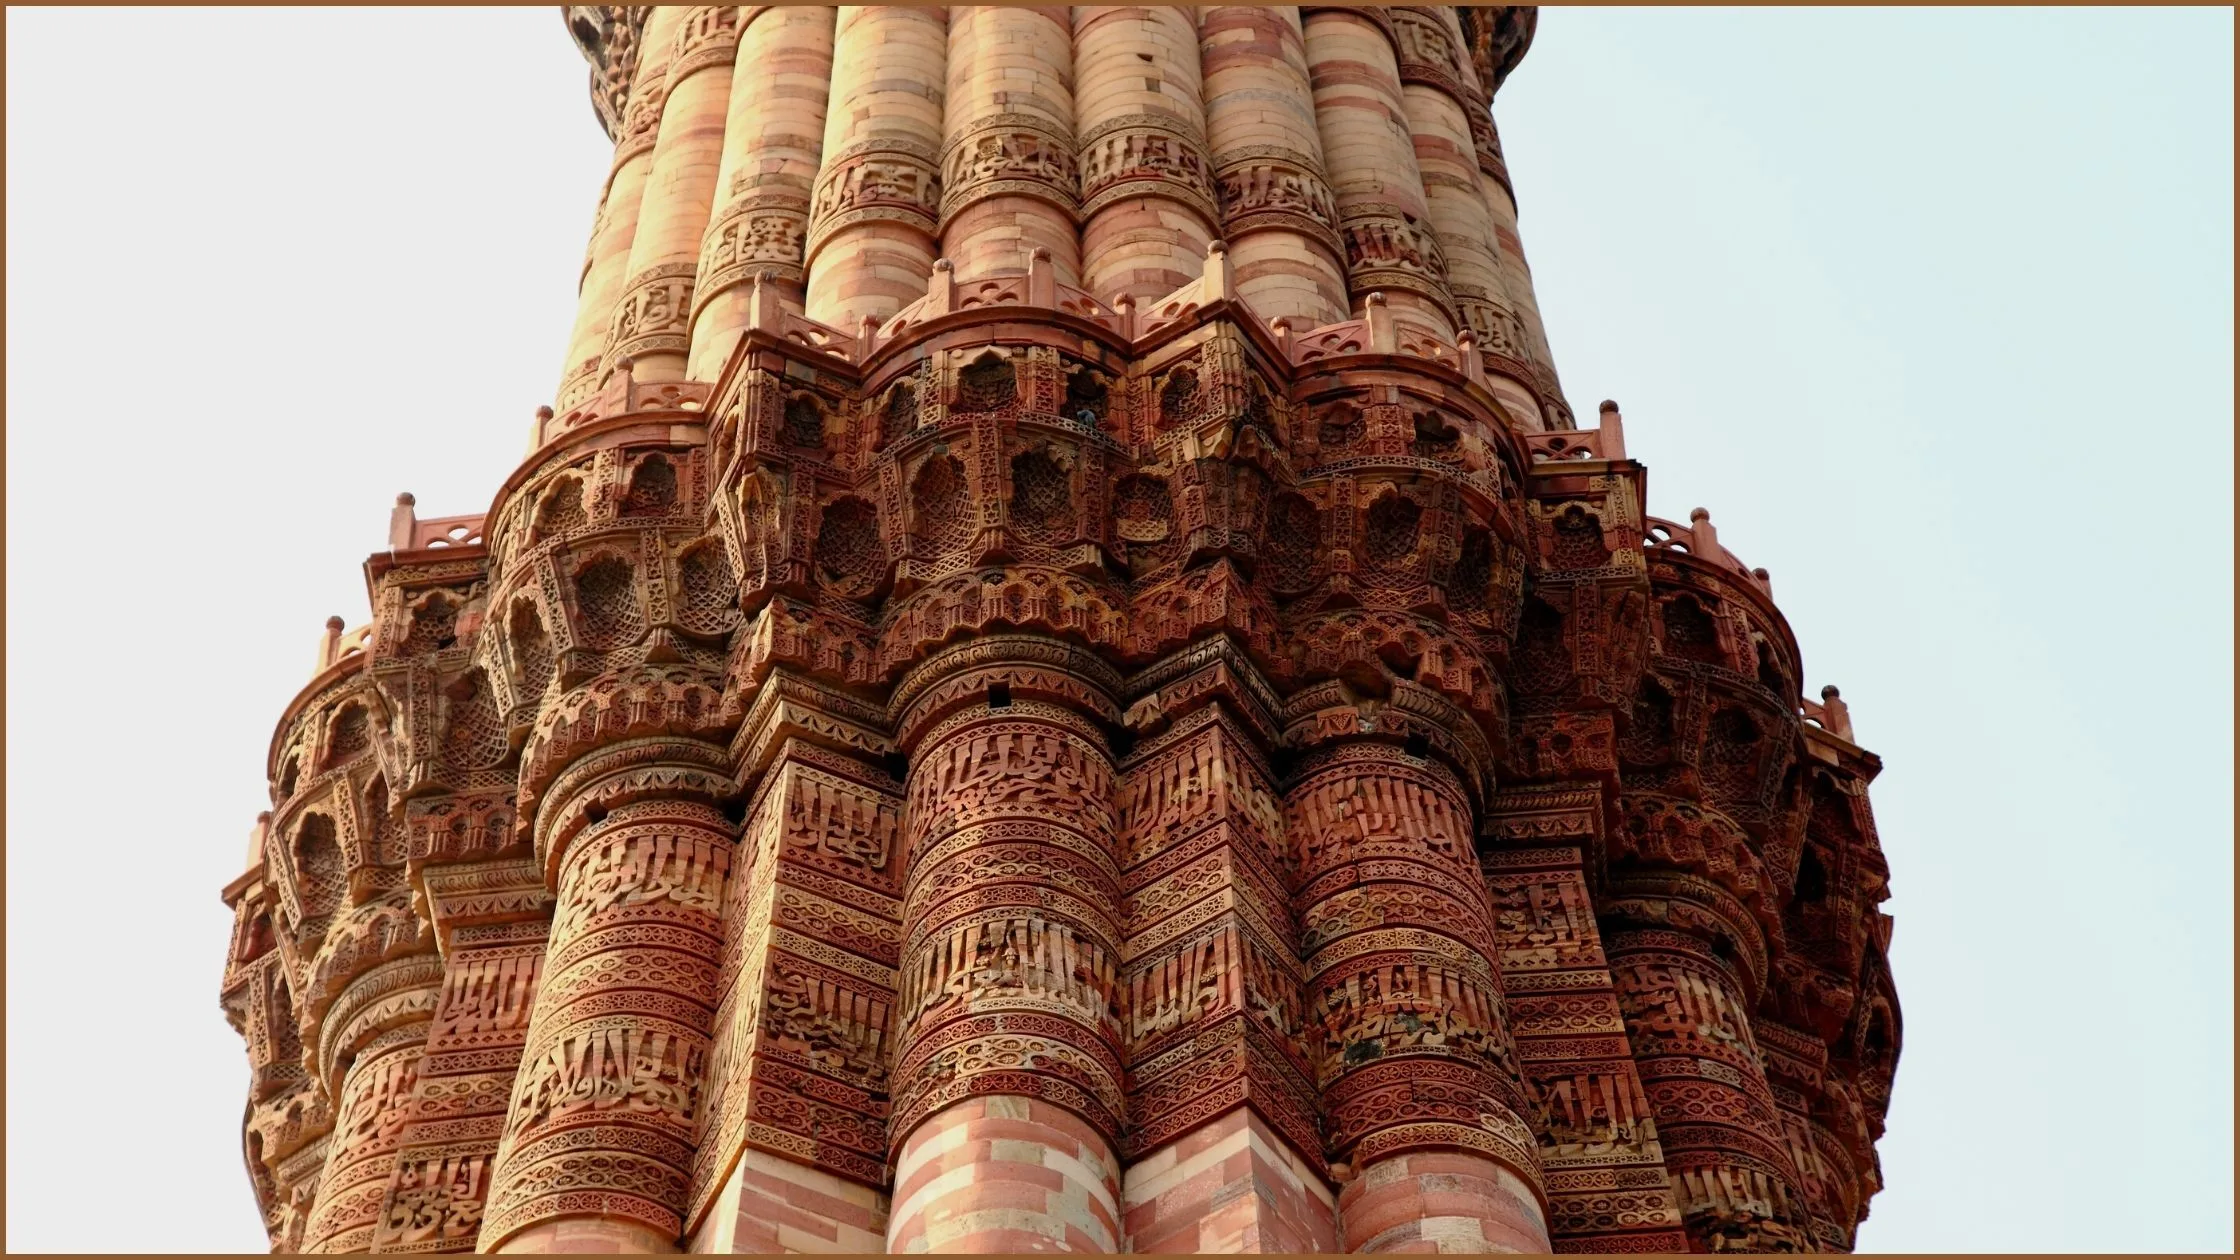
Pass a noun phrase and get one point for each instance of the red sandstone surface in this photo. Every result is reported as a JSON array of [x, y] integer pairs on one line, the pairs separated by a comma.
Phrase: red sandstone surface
[[1061, 676]]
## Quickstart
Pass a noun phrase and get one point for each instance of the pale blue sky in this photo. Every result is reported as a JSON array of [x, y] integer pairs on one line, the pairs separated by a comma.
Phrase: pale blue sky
[[1931, 308]]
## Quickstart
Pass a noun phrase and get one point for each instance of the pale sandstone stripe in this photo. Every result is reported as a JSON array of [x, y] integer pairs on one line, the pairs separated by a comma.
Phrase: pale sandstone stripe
[[1010, 182], [1372, 164], [650, 319], [875, 213], [995, 1199], [1266, 151], [1146, 191], [619, 206], [773, 137]]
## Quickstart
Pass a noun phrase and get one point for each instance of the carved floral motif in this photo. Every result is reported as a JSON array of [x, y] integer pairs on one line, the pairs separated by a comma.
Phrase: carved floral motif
[[1149, 715]]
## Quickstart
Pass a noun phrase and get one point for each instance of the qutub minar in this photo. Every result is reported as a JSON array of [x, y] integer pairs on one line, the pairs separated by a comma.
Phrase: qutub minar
[[1059, 676]]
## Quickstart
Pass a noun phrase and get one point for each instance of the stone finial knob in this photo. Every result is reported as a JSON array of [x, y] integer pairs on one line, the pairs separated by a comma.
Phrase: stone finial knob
[[1374, 299], [330, 643], [1217, 247], [401, 521], [1699, 514], [1608, 406], [544, 413], [943, 264], [1837, 714], [1040, 253]]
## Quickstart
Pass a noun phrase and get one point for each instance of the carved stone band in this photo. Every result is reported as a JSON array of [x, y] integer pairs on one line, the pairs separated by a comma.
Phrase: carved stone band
[[1145, 155], [888, 179], [653, 312], [1017, 154]]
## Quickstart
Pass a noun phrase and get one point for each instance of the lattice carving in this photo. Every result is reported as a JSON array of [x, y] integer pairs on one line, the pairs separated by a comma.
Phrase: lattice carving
[[319, 866], [710, 602], [1391, 530], [804, 423], [987, 383], [904, 693], [653, 488], [532, 649], [1041, 497], [561, 511], [1143, 522], [1470, 584], [1294, 543], [474, 734], [1690, 632], [607, 602], [850, 557], [350, 733], [941, 505], [433, 626], [898, 416]]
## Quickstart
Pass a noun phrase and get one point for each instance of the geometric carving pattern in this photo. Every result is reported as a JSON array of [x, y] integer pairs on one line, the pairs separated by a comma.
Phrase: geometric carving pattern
[[1231, 781]]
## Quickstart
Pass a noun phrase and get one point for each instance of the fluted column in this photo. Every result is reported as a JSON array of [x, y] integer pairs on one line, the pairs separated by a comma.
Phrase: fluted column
[[1009, 181], [1224, 1138], [1008, 1071], [287, 1136], [1496, 39], [376, 1097], [651, 318], [1419, 1076], [1516, 276], [373, 1036], [771, 143], [1687, 1014], [1598, 1142], [1147, 200], [1438, 102], [1827, 1180], [598, 1146], [793, 1152], [1382, 214], [617, 224], [491, 916], [873, 226], [1277, 212]]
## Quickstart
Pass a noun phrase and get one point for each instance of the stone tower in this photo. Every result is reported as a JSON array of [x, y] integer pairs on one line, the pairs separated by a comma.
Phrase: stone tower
[[1059, 675]]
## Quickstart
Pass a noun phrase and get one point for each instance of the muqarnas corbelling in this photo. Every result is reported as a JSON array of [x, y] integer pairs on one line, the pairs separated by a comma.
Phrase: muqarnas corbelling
[[1060, 676]]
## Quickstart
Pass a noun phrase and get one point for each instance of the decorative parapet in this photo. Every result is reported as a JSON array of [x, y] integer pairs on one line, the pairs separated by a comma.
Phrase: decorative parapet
[[621, 394], [1700, 539], [778, 315], [1831, 715], [337, 645], [407, 532], [1606, 443], [1045, 691]]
